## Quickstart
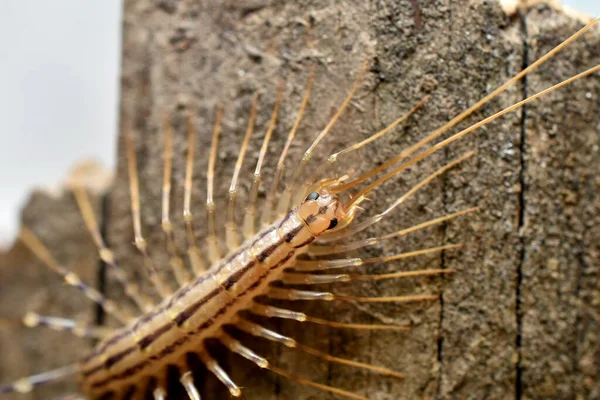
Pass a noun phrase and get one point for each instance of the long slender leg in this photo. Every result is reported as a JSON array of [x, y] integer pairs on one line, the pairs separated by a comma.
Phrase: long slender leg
[[72, 279], [26, 385], [32, 320], [132, 289], [198, 264], [335, 156], [295, 278], [231, 231], [309, 295], [250, 211], [212, 240], [181, 274], [276, 312], [342, 248], [187, 380], [140, 243], [213, 366], [283, 202], [318, 265], [295, 181], [262, 332], [238, 348]]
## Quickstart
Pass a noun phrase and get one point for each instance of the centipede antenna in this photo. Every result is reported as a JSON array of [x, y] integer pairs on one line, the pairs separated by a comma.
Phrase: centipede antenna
[[276, 312], [262, 332], [72, 279], [412, 190], [132, 289], [196, 260], [296, 278], [440, 131], [311, 295], [187, 380], [308, 154], [212, 240], [140, 243], [283, 200], [231, 232], [359, 244], [238, 348], [79, 329], [250, 211], [159, 393], [319, 265], [213, 366], [26, 385], [175, 262], [334, 157]]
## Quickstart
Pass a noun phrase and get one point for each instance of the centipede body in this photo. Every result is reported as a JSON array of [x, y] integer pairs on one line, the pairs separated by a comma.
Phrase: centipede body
[[420, 361]]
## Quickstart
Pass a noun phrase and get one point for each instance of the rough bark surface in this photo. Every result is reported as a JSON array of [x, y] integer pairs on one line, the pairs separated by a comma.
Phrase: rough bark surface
[[518, 319]]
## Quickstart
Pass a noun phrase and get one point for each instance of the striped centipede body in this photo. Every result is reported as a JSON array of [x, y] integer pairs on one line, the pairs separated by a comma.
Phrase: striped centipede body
[[221, 288]]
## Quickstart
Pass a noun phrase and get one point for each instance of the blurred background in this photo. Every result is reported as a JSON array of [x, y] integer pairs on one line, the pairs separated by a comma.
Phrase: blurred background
[[59, 92]]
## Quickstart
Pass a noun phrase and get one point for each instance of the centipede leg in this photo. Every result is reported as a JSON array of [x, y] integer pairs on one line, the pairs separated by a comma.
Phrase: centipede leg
[[26, 385], [212, 240], [231, 228], [187, 380], [249, 224], [196, 260], [175, 262]]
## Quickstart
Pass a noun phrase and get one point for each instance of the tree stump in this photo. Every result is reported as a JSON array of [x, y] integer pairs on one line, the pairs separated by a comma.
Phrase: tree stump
[[520, 316]]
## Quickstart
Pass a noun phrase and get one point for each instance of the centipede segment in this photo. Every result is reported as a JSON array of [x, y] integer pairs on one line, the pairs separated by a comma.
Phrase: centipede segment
[[301, 241]]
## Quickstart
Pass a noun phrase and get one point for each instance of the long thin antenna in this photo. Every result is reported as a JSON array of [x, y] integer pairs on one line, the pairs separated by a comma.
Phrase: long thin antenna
[[438, 132]]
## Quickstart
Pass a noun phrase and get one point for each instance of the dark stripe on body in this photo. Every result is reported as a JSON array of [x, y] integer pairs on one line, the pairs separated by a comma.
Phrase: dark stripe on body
[[171, 348]]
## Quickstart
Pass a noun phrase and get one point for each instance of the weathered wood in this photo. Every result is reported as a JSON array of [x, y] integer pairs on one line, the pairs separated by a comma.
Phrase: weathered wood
[[520, 317]]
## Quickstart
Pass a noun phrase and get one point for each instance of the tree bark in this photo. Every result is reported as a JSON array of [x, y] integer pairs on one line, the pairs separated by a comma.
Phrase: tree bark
[[520, 316]]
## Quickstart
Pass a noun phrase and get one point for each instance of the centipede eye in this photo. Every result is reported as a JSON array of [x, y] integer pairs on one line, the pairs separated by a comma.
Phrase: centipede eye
[[312, 196], [332, 223]]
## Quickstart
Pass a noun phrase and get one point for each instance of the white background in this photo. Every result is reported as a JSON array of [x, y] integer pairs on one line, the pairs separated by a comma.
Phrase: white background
[[59, 80]]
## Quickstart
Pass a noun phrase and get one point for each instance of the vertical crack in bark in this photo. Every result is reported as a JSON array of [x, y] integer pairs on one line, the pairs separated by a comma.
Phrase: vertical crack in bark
[[521, 216], [101, 277], [440, 341]]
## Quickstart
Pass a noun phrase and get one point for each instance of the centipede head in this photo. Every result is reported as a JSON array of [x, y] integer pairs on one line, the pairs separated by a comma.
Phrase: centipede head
[[321, 211]]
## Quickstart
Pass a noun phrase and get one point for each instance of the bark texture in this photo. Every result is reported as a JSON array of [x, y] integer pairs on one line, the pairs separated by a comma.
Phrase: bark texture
[[518, 319]]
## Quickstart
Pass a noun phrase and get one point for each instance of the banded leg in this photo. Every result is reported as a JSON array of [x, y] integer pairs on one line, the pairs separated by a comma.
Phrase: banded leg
[[335, 156], [262, 332], [72, 279], [295, 181], [270, 203], [342, 248], [212, 240], [32, 320], [198, 264], [238, 348], [309, 295], [213, 366], [318, 265], [275, 312], [181, 274], [295, 278], [231, 231], [132, 289], [26, 385], [140, 243], [250, 211], [187, 380]]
